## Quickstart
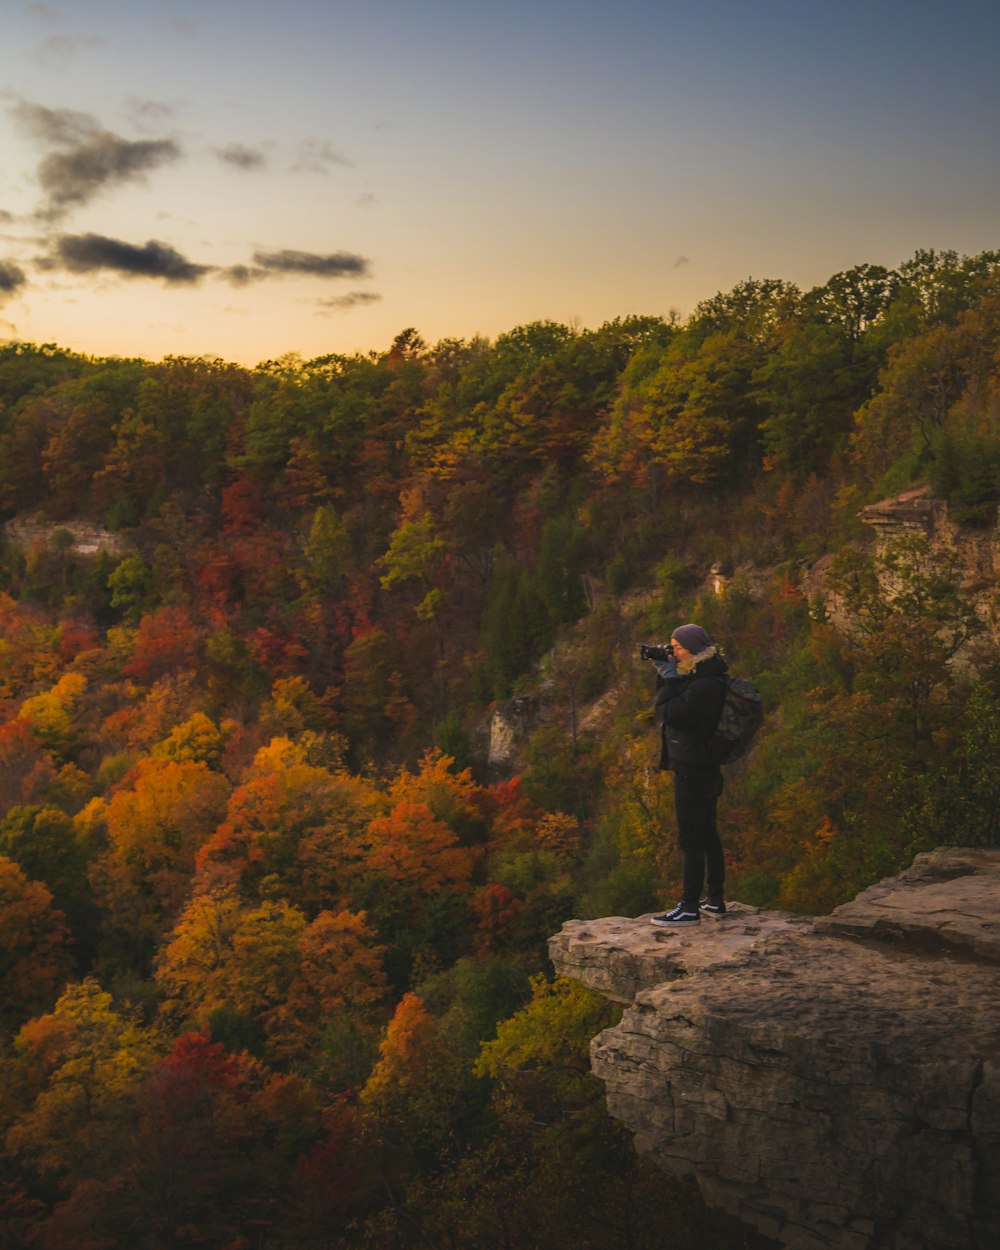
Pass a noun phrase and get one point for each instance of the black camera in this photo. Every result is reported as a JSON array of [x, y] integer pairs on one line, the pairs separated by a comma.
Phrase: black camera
[[653, 651]]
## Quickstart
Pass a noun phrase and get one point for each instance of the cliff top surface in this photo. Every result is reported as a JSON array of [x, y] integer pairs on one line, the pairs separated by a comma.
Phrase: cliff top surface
[[910, 955]]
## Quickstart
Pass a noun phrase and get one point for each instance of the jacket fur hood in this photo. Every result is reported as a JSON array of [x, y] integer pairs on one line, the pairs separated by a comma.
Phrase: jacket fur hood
[[687, 666]]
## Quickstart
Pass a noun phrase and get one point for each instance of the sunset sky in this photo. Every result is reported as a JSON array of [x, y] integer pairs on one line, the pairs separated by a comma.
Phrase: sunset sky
[[242, 179]]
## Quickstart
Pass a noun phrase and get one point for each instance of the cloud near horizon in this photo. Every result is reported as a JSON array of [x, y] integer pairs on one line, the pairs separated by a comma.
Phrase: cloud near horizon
[[90, 253], [94, 253], [353, 299], [12, 278], [333, 265], [79, 160], [289, 262]]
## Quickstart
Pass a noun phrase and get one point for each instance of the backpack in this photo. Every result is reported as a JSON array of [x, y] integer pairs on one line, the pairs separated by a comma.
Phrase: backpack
[[741, 717]]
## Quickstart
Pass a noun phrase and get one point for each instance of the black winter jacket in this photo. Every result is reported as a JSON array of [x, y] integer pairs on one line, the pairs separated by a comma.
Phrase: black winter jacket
[[688, 708]]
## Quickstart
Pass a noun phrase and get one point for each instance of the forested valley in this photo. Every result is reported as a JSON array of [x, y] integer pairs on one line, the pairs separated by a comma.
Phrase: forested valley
[[273, 967]]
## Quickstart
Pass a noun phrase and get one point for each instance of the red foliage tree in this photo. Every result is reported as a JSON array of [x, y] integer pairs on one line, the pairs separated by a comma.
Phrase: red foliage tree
[[26, 768], [167, 640]]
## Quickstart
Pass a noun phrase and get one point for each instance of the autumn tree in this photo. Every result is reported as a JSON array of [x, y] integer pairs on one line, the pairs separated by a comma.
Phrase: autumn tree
[[155, 828], [413, 880], [224, 954], [267, 972], [74, 1067], [167, 640], [367, 691], [34, 955], [910, 609], [26, 768], [205, 1145], [339, 988], [44, 843], [418, 1089], [52, 716], [294, 826], [197, 740]]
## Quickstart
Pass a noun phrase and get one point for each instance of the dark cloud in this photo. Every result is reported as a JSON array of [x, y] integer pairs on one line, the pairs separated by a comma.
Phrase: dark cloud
[[243, 275], [334, 265], [75, 177], [354, 299], [11, 278], [54, 127], [289, 262], [241, 157], [88, 253], [316, 156], [88, 159]]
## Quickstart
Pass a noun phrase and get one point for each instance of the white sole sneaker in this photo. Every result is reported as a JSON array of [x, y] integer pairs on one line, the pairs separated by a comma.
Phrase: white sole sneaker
[[676, 919]]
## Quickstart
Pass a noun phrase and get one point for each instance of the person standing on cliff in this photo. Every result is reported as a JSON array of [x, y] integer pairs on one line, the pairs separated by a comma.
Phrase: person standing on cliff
[[690, 691]]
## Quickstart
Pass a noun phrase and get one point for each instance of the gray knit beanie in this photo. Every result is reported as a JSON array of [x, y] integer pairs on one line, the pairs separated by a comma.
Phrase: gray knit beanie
[[692, 638]]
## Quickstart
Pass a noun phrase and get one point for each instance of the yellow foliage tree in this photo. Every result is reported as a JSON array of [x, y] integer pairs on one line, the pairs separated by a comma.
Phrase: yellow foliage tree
[[78, 1063], [269, 964], [223, 953], [198, 739], [51, 715], [155, 828]]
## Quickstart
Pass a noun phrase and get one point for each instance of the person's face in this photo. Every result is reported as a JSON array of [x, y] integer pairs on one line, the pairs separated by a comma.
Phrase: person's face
[[682, 653]]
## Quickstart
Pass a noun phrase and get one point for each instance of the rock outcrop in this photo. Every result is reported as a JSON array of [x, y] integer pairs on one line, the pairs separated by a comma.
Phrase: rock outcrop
[[834, 1083], [509, 727], [83, 538]]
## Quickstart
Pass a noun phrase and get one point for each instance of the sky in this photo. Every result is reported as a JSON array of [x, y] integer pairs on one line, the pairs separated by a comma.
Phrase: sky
[[242, 180]]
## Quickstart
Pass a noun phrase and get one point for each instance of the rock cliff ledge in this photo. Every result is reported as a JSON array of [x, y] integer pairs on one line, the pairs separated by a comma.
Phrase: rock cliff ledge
[[833, 1082]]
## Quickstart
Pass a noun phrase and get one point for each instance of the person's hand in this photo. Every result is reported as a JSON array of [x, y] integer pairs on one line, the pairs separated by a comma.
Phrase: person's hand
[[666, 668]]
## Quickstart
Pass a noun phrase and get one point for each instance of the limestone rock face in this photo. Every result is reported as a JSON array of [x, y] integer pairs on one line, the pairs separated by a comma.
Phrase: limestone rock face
[[508, 728], [83, 538], [834, 1083], [949, 900]]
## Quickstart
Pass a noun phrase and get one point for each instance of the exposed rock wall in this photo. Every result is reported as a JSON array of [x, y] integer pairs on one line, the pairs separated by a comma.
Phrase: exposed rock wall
[[509, 726], [917, 511], [85, 538], [836, 1083]]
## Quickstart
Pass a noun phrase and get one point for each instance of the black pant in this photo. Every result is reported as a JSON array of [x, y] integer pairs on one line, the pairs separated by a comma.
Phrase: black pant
[[696, 792]]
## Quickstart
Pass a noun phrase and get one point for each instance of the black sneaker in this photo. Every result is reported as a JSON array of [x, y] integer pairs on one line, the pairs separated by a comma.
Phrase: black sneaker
[[712, 906], [681, 915]]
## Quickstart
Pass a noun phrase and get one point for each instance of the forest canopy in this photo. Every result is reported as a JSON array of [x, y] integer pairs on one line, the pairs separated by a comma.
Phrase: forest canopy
[[272, 929]]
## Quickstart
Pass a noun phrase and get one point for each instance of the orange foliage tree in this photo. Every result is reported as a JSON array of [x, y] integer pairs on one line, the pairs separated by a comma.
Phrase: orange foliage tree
[[294, 825], [267, 963], [155, 828], [413, 1091]]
